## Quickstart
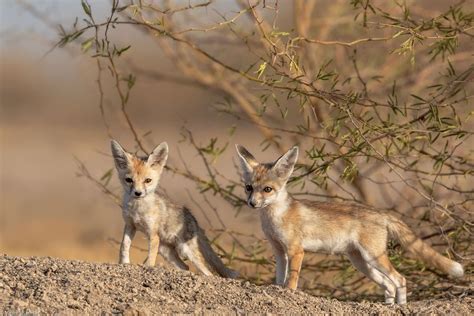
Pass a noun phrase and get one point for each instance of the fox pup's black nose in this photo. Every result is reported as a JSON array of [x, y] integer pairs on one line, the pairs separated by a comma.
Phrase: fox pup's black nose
[[252, 204], [138, 193]]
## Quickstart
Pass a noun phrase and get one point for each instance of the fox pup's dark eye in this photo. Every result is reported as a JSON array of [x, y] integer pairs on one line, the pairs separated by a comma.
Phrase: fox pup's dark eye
[[267, 189], [248, 188], [129, 180], [147, 180]]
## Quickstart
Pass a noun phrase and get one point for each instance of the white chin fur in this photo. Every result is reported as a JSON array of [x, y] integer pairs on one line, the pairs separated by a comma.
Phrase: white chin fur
[[457, 270]]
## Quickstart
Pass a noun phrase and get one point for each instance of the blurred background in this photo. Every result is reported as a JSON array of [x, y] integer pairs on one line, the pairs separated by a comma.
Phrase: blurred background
[[50, 117], [60, 107]]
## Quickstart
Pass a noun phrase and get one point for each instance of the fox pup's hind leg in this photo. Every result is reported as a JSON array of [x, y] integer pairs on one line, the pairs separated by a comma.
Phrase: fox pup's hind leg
[[171, 255], [383, 281], [153, 244], [380, 270], [191, 251], [383, 264], [128, 234]]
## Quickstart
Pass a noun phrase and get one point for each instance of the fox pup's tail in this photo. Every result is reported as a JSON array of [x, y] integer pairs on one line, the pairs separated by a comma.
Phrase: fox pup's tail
[[213, 260], [410, 242]]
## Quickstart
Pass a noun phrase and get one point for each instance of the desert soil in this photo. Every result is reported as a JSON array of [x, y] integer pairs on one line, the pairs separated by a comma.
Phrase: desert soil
[[47, 285]]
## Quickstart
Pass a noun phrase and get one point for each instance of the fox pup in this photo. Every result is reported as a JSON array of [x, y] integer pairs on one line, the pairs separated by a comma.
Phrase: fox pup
[[293, 226], [171, 229]]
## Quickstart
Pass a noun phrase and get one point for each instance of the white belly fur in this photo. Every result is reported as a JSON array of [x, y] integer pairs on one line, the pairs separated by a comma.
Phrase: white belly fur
[[329, 245]]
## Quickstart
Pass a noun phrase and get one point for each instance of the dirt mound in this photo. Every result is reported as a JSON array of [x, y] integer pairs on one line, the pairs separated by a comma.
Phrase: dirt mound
[[47, 285]]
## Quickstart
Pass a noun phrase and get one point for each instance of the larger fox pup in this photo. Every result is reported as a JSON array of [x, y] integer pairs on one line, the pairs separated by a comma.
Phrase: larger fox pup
[[171, 229], [293, 226]]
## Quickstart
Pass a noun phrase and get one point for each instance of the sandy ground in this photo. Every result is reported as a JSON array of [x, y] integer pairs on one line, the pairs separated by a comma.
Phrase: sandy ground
[[46, 285]]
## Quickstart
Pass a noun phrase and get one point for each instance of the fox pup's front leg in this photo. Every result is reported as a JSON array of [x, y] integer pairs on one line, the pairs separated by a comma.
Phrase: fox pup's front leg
[[281, 259], [153, 245], [128, 234]]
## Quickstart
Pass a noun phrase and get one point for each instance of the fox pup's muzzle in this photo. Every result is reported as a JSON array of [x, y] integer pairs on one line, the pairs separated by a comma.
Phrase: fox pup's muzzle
[[255, 204]]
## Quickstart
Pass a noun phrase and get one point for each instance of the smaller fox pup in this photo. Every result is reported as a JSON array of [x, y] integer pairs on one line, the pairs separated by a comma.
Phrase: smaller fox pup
[[171, 229], [293, 226]]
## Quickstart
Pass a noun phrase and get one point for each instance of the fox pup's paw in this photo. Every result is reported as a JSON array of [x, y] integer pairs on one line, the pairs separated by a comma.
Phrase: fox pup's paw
[[291, 286]]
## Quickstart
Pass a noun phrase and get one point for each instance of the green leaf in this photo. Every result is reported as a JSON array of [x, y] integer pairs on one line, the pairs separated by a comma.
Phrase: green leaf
[[277, 34], [120, 9], [87, 44], [107, 176], [232, 130], [261, 69], [75, 35], [130, 81], [86, 7]]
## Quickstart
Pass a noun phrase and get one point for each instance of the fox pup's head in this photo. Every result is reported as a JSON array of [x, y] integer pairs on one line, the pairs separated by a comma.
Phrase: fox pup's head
[[139, 176], [265, 182]]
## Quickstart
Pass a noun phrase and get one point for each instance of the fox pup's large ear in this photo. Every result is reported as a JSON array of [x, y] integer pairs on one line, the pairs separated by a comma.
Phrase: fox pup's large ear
[[120, 155], [159, 155], [284, 165], [247, 161]]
